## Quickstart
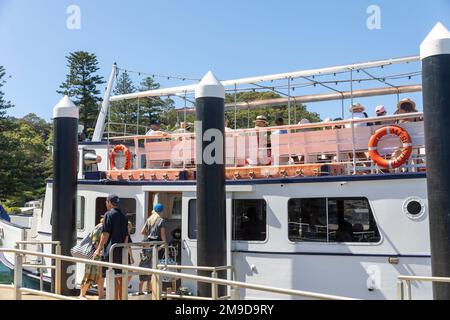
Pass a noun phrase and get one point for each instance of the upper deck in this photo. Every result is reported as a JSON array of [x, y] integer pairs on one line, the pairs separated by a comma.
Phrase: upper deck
[[339, 148], [316, 149]]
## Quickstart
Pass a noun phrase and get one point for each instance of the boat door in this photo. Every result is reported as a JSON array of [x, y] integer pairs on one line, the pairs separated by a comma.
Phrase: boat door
[[189, 234]]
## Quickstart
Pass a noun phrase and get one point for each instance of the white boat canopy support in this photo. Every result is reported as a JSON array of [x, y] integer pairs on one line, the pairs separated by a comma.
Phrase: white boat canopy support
[[277, 102], [279, 76]]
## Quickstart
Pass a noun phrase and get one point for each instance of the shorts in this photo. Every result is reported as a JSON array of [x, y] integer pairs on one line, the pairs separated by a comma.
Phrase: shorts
[[117, 258]]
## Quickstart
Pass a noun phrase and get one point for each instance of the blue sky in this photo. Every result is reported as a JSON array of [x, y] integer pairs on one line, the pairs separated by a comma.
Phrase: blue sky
[[189, 37]]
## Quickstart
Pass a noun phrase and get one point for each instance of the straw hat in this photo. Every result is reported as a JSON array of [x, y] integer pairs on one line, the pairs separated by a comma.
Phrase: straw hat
[[357, 107], [407, 100], [261, 118]]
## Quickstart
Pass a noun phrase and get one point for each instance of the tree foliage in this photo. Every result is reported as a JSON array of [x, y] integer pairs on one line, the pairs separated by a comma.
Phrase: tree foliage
[[245, 118], [25, 159], [81, 85], [4, 105]]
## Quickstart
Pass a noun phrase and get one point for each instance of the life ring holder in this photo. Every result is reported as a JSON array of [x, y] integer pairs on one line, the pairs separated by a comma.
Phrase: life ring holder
[[394, 162], [113, 154]]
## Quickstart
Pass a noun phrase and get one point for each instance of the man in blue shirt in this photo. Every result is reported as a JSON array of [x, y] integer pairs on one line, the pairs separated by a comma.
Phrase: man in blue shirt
[[115, 230]]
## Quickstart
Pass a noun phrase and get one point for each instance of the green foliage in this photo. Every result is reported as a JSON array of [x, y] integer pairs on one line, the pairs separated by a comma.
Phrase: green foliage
[[245, 118], [81, 86], [26, 164], [4, 105], [25, 160], [123, 111]]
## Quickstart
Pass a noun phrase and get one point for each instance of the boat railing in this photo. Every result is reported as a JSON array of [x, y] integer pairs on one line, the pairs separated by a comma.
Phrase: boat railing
[[155, 246], [342, 144], [19, 289], [39, 263], [404, 289], [114, 129]]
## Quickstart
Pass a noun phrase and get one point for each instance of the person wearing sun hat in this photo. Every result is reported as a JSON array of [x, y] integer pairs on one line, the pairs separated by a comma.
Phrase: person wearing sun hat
[[407, 106], [261, 121], [357, 111]]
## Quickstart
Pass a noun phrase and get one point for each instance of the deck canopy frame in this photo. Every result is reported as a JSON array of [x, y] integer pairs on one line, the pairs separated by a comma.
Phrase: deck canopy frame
[[310, 78]]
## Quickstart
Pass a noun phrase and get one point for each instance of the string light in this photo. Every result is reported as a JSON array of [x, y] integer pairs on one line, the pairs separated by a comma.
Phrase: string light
[[153, 75]]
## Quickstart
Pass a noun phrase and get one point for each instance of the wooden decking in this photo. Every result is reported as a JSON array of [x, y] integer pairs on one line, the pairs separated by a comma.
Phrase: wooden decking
[[8, 294]]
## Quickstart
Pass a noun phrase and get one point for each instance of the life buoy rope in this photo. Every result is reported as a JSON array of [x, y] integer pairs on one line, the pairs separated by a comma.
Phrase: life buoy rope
[[395, 162], [113, 154]]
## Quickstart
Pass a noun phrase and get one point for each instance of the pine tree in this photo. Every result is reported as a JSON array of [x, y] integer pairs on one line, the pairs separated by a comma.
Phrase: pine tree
[[81, 85], [4, 105], [151, 108], [125, 111]]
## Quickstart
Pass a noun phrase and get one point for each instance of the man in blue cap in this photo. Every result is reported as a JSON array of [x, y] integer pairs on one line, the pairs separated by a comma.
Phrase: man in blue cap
[[115, 230], [154, 230]]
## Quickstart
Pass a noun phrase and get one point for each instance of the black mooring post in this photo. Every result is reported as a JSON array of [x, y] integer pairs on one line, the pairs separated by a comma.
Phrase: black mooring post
[[65, 159], [210, 158], [435, 56]]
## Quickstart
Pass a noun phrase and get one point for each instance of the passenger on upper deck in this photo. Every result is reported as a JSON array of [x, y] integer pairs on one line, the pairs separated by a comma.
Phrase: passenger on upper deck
[[357, 111], [183, 128], [155, 129], [279, 122], [260, 122], [263, 146], [407, 106]]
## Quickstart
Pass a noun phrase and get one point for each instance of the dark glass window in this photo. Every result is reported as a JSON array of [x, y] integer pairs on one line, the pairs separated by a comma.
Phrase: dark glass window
[[351, 220], [127, 205], [332, 220], [249, 220], [192, 219], [81, 203], [307, 220]]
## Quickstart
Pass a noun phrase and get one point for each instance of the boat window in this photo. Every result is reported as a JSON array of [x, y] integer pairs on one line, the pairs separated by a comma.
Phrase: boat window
[[331, 220], [127, 205], [192, 219], [249, 220], [81, 203], [351, 220], [308, 220]]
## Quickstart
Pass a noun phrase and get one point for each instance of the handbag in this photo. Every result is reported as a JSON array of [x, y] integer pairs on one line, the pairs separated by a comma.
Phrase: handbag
[[84, 250]]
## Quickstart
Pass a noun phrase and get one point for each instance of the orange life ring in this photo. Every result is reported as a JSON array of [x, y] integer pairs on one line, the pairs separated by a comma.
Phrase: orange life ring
[[113, 154], [394, 162]]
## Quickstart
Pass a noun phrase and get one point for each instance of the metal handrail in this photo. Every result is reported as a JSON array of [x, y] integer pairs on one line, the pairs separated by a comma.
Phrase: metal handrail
[[314, 125], [39, 267], [110, 277], [403, 281]]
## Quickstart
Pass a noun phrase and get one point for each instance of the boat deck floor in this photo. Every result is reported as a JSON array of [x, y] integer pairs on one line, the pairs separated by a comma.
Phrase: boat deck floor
[[8, 294]]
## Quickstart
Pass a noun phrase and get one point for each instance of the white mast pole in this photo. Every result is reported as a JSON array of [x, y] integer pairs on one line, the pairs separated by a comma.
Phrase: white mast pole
[[100, 125]]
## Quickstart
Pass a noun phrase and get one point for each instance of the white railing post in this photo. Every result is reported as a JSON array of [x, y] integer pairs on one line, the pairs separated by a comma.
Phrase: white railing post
[[408, 287], [58, 270], [214, 293], [110, 285], [124, 274], [18, 260], [156, 279], [235, 293], [400, 290]]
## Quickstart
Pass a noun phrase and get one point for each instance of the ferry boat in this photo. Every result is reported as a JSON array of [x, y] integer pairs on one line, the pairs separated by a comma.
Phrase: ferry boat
[[307, 209]]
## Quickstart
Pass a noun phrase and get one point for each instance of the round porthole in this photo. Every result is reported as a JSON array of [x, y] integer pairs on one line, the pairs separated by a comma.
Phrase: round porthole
[[414, 207]]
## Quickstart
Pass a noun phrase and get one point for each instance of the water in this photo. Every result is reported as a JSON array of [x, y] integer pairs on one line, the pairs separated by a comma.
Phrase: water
[[6, 276]]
